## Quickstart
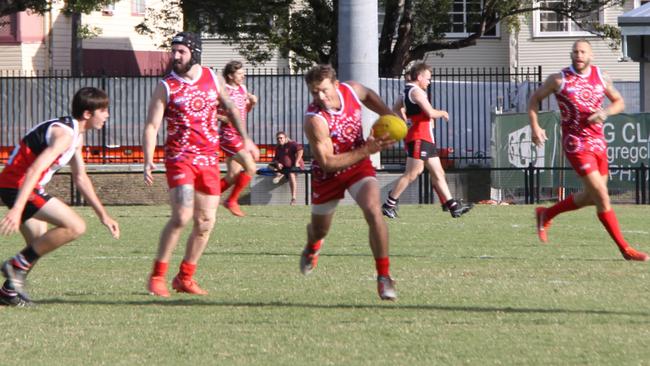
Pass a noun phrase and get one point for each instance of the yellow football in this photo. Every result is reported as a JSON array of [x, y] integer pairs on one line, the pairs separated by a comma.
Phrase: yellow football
[[391, 124]]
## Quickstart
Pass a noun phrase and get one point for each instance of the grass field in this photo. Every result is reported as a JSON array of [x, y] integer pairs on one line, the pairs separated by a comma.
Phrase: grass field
[[476, 290]]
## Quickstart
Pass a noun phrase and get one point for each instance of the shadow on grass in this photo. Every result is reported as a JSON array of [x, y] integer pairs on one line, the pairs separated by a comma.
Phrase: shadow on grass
[[432, 256], [387, 306], [298, 252]]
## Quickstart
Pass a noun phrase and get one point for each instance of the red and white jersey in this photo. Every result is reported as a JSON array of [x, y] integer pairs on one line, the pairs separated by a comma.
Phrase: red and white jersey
[[239, 96], [191, 115], [344, 125], [579, 96], [32, 145], [420, 125]]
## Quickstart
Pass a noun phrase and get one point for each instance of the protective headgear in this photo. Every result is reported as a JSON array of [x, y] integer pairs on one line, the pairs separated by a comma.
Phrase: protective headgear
[[191, 41]]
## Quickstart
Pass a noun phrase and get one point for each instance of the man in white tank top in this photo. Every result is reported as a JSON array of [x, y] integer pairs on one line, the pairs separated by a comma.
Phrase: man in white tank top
[[44, 149]]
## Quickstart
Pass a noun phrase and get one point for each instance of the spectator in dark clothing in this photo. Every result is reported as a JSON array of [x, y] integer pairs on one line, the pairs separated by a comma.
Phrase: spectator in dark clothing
[[287, 160]]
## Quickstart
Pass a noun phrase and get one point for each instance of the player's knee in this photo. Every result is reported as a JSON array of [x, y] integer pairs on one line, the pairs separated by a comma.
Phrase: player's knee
[[77, 229], [602, 201], [373, 214], [251, 170], [230, 177], [180, 220], [204, 224]]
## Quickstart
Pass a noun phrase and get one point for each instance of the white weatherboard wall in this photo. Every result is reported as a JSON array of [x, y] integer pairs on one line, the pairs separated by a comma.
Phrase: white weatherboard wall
[[11, 57], [118, 29], [526, 50], [217, 53], [488, 52], [553, 53]]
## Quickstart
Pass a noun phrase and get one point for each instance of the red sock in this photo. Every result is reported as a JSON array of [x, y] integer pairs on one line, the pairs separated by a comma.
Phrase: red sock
[[186, 270], [563, 206], [224, 184], [241, 182], [316, 246], [608, 218], [382, 265], [159, 269]]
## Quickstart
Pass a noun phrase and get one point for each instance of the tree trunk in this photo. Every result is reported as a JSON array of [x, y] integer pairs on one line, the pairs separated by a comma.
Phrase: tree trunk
[[392, 11], [400, 56], [76, 61]]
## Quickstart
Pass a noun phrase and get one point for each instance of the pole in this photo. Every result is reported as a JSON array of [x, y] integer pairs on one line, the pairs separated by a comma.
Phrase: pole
[[358, 44]]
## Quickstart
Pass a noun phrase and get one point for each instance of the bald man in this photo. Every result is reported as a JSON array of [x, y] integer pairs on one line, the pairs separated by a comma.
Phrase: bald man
[[580, 90]]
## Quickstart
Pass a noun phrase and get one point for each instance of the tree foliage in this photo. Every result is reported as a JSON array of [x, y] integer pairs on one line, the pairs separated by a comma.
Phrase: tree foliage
[[306, 31], [163, 21]]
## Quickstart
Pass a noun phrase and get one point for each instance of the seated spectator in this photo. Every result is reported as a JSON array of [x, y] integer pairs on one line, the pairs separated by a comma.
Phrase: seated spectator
[[287, 160]]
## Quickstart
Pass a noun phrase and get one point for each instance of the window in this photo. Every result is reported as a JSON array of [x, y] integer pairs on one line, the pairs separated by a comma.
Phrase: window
[[638, 3], [139, 7], [463, 19], [108, 10], [8, 29], [550, 24]]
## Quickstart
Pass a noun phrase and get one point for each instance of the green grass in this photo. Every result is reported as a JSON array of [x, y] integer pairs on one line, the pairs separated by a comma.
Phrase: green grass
[[477, 290]]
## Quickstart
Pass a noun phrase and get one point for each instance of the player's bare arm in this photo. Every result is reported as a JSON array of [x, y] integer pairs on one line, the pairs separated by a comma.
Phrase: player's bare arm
[[317, 134], [616, 106], [232, 113], [420, 98], [370, 99], [85, 186], [373, 102], [551, 84], [155, 114], [252, 102], [60, 141]]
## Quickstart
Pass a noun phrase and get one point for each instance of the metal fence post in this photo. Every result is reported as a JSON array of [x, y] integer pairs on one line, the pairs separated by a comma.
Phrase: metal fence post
[[307, 185], [537, 184], [643, 186], [638, 185]]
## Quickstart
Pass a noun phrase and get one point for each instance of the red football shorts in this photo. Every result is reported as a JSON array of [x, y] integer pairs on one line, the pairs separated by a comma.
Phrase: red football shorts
[[205, 179], [585, 162], [230, 142], [334, 187]]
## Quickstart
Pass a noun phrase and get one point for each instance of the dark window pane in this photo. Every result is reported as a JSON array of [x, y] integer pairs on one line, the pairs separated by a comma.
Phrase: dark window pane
[[458, 28]]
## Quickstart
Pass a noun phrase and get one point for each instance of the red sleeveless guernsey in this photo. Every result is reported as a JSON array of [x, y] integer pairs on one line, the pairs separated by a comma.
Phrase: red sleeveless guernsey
[[191, 115], [345, 128], [579, 97]]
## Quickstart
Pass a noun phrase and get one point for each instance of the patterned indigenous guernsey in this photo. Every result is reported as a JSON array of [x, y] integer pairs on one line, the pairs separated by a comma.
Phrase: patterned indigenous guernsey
[[579, 97], [31, 146], [191, 115], [346, 134], [420, 124], [231, 141]]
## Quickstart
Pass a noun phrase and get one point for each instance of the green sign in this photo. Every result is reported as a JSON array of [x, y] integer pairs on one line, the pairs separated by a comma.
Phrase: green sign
[[628, 145], [627, 136], [512, 147]]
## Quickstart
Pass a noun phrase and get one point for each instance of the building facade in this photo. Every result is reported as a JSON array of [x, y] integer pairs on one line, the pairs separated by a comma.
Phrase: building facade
[[543, 39], [43, 43]]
